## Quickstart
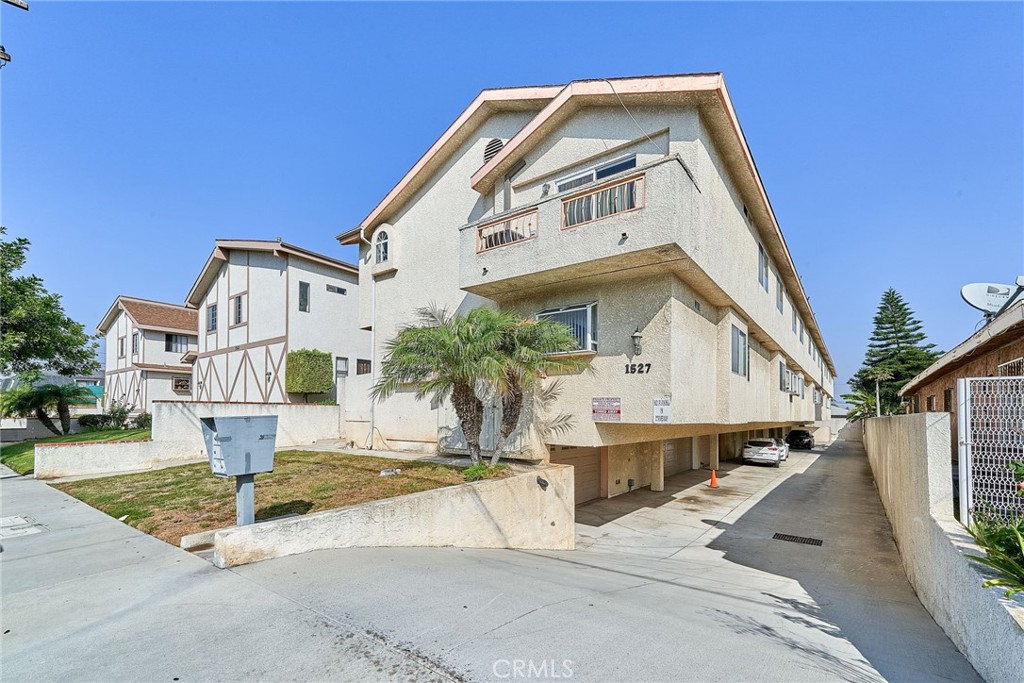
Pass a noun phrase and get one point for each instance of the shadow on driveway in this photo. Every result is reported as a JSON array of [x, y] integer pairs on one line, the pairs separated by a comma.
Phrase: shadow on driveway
[[855, 578]]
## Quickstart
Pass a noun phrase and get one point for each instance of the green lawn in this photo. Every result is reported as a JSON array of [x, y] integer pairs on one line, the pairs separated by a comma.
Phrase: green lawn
[[177, 501], [20, 457]]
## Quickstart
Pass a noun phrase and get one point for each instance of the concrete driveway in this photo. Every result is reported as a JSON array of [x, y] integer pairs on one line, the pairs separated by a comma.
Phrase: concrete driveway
[[682, 585], [686, 585]]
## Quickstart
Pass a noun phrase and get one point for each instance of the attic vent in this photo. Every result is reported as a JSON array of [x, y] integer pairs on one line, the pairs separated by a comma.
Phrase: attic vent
[[492, 148]]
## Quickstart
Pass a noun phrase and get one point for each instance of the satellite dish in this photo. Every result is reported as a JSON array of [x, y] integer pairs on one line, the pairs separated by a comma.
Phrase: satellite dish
[[987, 296]]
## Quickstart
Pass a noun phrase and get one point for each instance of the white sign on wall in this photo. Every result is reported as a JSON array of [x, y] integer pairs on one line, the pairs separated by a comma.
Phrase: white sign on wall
[[606, 409], [663, 410]]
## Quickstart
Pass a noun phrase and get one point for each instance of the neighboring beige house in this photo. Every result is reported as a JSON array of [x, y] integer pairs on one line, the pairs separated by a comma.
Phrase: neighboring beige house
[[256, 301], [631, 211], [145, 343]]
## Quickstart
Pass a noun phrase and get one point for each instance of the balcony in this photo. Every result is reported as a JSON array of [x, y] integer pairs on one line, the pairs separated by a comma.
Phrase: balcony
[[626, 222]]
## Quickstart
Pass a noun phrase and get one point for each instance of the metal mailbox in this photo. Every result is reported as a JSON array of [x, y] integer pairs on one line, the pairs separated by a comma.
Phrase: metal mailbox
[[240, 445]]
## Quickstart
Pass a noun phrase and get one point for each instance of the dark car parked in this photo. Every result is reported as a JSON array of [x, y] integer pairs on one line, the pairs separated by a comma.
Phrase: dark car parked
[[800, 439]]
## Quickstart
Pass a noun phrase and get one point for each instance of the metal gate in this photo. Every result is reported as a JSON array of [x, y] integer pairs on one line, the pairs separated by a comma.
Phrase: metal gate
[[990, 426]]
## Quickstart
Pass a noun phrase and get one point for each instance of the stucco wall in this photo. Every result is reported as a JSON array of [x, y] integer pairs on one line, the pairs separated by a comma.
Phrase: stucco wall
[[297, 424], [178, 437], [504, 513], [23, 429], [909, 456], [75, 459]]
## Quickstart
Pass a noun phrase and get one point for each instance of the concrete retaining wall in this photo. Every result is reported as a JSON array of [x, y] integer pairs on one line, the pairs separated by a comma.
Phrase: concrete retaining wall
[[909, 457], [502, 513], [76, 459], [178, 437], [297, 423]]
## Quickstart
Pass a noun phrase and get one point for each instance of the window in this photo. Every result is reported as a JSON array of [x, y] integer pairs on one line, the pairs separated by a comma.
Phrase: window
[[334, 289], [915, 405], [175, 343], [740, 352], [120, 347], [947, 401], [762, 267], [783, 377], [341, 367], [211, 318], [135, 343], [363, 366], [589, 176], [602, 203], [382, 246], [237, 310], [779, 296], [801, 331], [304, 297], [930, 404], [794, 317], [581, 321], [181, 385]]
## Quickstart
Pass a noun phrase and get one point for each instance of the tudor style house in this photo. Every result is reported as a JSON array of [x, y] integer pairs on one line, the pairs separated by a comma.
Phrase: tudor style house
[[256, 301], [146, 342], [631, 210]]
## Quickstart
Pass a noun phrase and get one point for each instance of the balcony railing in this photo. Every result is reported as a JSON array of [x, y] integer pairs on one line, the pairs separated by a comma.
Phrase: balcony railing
[[625, 195], [509, 231]]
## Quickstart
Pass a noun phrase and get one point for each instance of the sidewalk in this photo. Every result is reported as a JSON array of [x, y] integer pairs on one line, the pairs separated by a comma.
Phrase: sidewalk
[[87, 598]]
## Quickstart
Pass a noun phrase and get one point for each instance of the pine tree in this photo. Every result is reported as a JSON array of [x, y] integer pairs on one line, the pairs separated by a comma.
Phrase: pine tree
[[898, 350]]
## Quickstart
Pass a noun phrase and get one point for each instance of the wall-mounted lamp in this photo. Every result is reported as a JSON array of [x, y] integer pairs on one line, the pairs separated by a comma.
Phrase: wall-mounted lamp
[[625, 236], [4, 57], [485, 271], [636, 336], [268, 376]]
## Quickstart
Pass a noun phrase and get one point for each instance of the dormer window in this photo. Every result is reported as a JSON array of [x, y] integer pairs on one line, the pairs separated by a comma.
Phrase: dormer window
[[381, 246]]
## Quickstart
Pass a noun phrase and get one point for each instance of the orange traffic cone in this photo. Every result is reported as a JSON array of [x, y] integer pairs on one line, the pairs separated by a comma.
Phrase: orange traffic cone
[[714, 479]]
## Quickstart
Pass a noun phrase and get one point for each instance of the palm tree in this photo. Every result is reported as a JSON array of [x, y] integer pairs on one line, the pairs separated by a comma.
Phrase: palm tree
[[37, 401], [533, 350], [461, 357], [862, 405], [879, 374]]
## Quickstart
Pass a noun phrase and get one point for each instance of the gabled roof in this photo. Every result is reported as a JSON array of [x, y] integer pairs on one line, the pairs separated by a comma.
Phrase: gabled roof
[[152, 315], [1007, 328], [706, 91], [221, 249], [483, 106]]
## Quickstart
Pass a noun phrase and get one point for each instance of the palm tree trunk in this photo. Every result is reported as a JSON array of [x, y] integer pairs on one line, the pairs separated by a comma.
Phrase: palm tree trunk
[[46, 421], [511, 410], [470, 411], [64, 413]]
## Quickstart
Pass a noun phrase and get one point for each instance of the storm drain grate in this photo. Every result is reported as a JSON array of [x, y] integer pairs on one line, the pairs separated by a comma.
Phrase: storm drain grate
[[797, 539]]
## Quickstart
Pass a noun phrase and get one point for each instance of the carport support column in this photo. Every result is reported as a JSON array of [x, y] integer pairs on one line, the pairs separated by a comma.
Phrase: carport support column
[[694, 452], [658, 469], [714, 451]]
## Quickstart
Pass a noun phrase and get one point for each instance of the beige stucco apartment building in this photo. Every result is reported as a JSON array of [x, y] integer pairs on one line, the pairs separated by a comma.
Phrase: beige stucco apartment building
[[146, 342], [630, 210], [257, 300]]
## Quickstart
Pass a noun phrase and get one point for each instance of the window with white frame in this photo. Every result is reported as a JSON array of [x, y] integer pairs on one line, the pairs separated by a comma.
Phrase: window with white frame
[[135, 343], [303, 297], [120, 347], [740, 351], [794, 317], [779, 294], [603, 171], [801, 331], [237, 310], [581, 320], [762, 266], [211, 318], [381, 246]]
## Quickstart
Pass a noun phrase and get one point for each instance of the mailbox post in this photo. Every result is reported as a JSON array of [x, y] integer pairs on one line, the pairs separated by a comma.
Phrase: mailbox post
[[241, 447]]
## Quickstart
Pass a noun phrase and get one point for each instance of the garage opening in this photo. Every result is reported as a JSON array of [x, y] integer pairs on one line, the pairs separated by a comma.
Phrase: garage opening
[[587, 473]]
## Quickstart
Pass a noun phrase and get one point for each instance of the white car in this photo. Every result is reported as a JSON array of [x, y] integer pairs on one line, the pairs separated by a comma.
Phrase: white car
[[785, 448], [763, 451]]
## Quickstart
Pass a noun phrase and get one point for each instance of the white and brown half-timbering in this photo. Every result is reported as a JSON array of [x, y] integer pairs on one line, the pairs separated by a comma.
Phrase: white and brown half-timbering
[[256, 301], [146, 342]]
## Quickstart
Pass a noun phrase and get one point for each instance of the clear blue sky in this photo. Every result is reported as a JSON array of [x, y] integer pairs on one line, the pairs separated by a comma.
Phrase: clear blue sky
[[888, 136]]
